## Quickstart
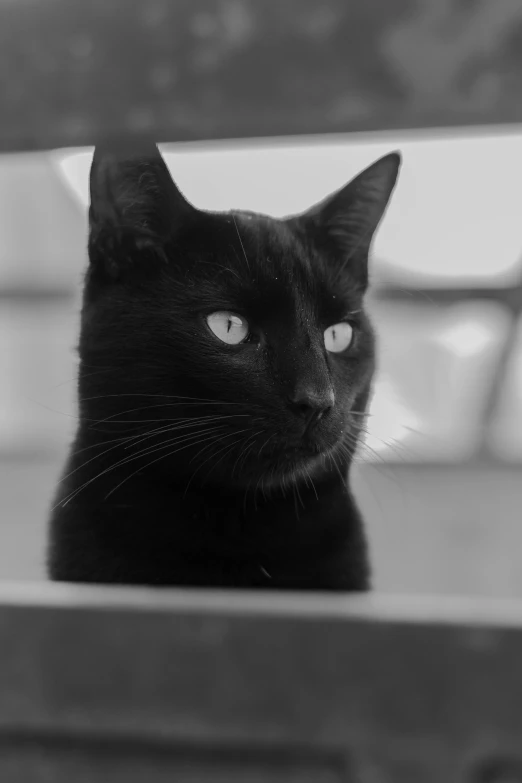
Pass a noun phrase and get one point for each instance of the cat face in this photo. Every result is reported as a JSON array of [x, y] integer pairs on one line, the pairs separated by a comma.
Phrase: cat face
[[227, 347]]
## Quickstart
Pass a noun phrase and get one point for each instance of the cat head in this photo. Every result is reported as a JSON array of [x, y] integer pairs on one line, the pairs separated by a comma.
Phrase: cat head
[[237, 344]]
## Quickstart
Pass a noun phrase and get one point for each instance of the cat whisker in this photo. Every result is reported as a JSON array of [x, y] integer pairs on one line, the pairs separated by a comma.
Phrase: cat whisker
[[283, 484], [73, 494], [53, 410], [259, 480], [246, 454], [123, 439], [302, 474], [338, 469], [162, 396], [229, 269], [312, 483], [177, 439], [244, 449], [196, 456], [267, 441], [361, 446], [227, 450], [242, 464], [78, 377], [358, 446], [299, 494], [376, 459], [163, 456], [399, 449], [137, 438], [187, 424], [241, 242], [149, 407], [117, 441]]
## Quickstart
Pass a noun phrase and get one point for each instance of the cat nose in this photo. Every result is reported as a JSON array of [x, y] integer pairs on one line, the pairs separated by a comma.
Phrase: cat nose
[[311, 404]]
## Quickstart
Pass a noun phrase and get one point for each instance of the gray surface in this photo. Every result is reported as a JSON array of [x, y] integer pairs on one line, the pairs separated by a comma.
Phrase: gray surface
[[73, 72], [99, 682]]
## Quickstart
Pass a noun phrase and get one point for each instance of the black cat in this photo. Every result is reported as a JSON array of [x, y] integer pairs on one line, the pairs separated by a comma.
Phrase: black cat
[[226, 362]]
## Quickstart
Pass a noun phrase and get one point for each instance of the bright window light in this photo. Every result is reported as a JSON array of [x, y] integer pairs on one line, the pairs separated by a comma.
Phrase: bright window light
[[454, 218], [466, 338], [390, 422]]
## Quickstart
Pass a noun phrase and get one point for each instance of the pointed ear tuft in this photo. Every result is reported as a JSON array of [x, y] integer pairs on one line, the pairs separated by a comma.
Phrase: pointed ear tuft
[[345, 222], [132, 191]]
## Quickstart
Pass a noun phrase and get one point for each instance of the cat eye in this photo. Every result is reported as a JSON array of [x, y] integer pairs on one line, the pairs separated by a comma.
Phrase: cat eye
[[338, 337], [228, 327]]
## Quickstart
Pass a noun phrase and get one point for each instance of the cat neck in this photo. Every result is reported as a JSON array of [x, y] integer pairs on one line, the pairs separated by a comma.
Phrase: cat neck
[[151, 530], [174, 501]]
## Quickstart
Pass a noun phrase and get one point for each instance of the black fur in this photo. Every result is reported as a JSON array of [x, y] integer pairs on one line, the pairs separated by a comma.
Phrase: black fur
[[201, 463]]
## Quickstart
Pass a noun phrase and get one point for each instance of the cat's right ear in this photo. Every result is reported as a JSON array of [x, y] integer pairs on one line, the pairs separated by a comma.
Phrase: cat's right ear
[[343, 224], [133, 196]]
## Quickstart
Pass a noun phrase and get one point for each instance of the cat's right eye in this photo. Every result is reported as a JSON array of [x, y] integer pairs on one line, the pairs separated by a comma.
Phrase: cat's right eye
[[228, 327], [338, 338]]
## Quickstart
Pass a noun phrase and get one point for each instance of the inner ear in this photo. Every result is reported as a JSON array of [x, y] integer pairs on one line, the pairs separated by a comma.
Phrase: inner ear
[[345, 222], [133, 191]]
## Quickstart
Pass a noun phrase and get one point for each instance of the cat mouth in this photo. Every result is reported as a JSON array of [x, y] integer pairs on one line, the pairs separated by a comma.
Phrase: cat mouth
[[285, 464], [292, 456], [297, 450], [307, 446]]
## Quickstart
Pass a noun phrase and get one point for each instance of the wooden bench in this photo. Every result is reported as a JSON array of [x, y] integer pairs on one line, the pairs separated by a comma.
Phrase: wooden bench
[[133, 685]]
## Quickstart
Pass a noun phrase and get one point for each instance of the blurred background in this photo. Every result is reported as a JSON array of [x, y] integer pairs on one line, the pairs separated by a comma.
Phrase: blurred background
[[439, 478]]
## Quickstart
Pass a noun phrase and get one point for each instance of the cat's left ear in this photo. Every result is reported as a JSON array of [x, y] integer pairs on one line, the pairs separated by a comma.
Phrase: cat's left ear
[[345, 222], [131, 191]]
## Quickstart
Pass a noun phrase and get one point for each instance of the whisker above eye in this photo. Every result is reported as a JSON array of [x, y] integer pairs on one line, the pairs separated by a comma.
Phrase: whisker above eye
[[241, 242]]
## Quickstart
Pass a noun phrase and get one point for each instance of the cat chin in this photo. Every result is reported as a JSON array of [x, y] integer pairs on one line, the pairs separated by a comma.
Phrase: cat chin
[[285, 470], [304, 467]]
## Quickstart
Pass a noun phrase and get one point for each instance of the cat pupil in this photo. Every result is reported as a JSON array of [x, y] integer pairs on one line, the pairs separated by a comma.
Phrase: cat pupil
[[233, 321]]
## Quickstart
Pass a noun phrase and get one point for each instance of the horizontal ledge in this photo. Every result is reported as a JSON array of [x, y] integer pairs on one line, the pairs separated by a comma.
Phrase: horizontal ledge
[[230, 669], [374, 607], [74, 73]]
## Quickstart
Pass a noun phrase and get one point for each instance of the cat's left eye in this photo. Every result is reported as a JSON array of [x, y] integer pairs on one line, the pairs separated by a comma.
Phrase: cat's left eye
[[228, 327], [338, 338]]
